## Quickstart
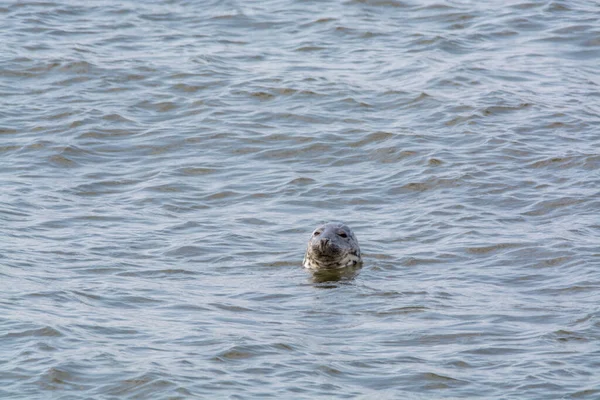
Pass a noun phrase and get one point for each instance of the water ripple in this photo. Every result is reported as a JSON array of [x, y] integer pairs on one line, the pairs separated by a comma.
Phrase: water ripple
[[163, 165]]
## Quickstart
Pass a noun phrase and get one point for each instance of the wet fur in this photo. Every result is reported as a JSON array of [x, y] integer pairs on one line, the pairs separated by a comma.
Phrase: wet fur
[[328, 250]]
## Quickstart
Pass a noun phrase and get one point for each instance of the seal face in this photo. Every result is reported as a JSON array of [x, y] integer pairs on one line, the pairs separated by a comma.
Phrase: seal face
[[332, 246]]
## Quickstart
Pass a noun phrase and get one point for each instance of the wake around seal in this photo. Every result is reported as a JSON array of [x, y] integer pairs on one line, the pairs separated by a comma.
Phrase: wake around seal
[[332, 246]]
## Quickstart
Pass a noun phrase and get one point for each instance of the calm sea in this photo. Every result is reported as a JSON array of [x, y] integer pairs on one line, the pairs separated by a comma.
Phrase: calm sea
[[163, 163]]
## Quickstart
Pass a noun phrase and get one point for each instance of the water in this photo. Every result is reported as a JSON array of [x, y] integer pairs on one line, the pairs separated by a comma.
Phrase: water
[[163, 164]]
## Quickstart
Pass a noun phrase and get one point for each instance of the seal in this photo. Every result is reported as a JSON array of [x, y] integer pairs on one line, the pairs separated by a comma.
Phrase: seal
[[332, 246]]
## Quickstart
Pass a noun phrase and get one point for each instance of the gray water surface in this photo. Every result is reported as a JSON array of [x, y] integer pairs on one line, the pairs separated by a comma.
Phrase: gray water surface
[[162, 165]]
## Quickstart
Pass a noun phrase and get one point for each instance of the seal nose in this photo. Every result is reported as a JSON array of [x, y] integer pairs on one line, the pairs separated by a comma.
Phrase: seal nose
[[323, 243]]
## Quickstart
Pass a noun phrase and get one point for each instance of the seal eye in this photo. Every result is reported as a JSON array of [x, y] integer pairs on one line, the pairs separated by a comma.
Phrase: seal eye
[[343, 234], [317, 233]]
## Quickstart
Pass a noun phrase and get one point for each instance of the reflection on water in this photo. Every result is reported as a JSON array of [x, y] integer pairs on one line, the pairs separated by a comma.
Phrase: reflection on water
[[335, 275]]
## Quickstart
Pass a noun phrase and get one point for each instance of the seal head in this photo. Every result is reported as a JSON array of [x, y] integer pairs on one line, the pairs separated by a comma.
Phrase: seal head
[[332, 246]]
